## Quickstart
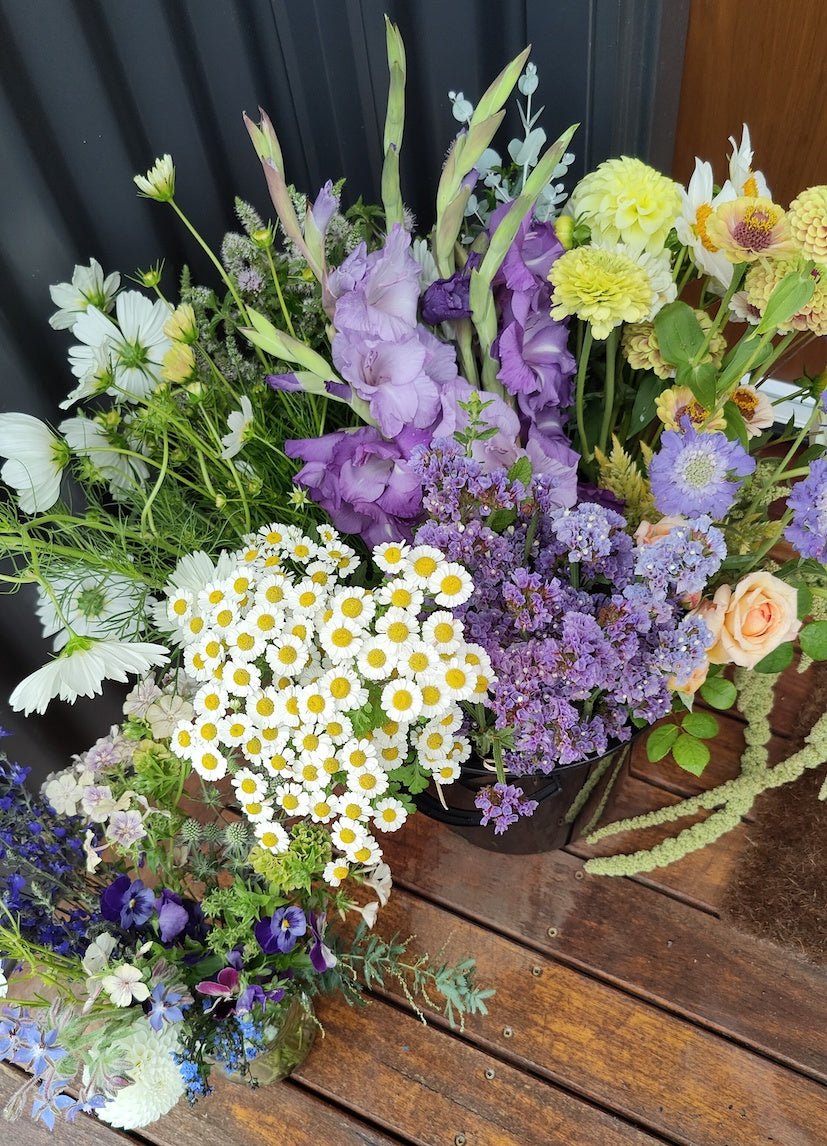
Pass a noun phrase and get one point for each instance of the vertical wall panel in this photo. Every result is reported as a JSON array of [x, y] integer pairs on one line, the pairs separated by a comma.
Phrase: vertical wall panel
[[91, 91]]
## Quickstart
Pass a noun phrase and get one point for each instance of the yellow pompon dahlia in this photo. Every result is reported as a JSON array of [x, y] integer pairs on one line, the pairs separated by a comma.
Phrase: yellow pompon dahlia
[[602, 287], [625, 200], [641, 346], [807, 217], [750, 228], [763, 278], [679, 402]]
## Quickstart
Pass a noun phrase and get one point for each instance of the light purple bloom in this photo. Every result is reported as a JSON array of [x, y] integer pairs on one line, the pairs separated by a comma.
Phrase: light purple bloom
[[278, 932], [325, 207], [377, 295], [808, 499], [364, 482], [503, 804], [321, 956], [391, 377], [165, 1006], [125, 828], [698, 473]]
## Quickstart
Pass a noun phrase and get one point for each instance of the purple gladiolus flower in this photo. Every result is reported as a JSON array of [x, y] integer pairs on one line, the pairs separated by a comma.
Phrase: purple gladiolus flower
[[696, 473], [288, 383], [447, 299], [321, 956], [325, 207], [362, 481], [279, 932], [127, 902], [377, 294]]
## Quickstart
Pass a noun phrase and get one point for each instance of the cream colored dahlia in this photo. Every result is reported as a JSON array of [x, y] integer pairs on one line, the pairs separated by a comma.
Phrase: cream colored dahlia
[[156, 1080], [807, 217], [604, 288], [625, 200], [762, 278]]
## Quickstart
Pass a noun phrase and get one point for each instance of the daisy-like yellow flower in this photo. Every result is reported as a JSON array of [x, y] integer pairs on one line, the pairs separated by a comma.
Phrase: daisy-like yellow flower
[[679, 402], [602, 287], [625, 200], [762, 279], [750, 228], [178, 364], [807, 217]]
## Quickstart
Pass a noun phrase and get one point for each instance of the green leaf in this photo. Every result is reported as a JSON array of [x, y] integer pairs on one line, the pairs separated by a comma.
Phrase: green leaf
[[777, 660], [691, 754], [660, 740], [805, 599], [643, 409], [679, 333], [735, 424], [500, 519], [813, 640], [718, 692], [700, 724], [702, 380], [521, 471], [793, 292]]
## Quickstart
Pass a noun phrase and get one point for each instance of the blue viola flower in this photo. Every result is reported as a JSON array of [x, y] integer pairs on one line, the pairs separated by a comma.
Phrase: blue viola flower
[[127, 902], [278, 932]]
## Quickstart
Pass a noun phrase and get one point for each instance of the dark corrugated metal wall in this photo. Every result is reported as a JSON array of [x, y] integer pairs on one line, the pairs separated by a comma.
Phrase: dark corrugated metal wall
[[91, 91]]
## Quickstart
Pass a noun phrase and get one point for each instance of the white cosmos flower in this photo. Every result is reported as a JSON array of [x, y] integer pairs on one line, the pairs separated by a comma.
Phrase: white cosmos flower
[[91, 605], [122, 470], [81, 669], [36, 458], [135, 344], [87, 288], [156, 1080], [239, 422], [698, 202]]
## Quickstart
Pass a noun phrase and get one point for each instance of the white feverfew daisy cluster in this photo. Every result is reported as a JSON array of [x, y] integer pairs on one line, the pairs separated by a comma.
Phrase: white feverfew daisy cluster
[[314, 692]]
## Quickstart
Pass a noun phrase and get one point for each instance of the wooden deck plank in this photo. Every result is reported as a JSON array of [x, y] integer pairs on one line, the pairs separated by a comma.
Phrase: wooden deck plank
[[647, 943], [659, 1071]]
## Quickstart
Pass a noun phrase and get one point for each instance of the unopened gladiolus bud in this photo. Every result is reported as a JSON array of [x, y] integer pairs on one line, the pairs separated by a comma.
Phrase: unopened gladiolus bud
[[181, 325], [178, 364], [159, 181], [151, 277]]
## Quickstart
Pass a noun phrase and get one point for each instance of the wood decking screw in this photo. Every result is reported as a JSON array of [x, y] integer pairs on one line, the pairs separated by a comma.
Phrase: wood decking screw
[[552, 932], [508, 1032], [579, 874], [460, 1140], [489, 1074], [536, 972]]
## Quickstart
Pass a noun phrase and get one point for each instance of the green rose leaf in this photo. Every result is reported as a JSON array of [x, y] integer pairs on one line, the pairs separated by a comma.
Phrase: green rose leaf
[[777, 660], [679, 333], [702, 380], [660, 740], [691, 754], [643, 410], [813, 640], [718, 692], [700, 724]]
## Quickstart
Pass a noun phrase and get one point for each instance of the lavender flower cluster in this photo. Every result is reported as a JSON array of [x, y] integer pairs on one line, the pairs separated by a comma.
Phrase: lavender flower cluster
[[586, 627], [44, 852]]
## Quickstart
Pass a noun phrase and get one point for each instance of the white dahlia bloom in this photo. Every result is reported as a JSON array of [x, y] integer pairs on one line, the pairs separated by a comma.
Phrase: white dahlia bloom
[[36, 458], [156, 1080]]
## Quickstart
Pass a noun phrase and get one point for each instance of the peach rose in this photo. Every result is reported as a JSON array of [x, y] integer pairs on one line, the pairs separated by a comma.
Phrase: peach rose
[[758, 616], [646, 532]]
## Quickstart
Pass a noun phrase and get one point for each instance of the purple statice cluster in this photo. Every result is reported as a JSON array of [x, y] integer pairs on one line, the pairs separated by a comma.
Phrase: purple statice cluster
[[42, 856], [502, 805], [406, 379], [586, 628], [808, 500]]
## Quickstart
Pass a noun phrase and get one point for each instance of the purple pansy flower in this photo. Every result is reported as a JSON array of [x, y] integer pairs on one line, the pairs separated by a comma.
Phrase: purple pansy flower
[[278, 932], [127, 902], [321, 956], [173, 916]]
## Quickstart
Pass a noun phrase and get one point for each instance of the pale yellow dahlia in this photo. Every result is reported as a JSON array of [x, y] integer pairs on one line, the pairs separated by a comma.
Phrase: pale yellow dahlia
[[807, 217], [625, 200], [642, 349], [749, 228], [604, 288], [763, 278], [679, 402]]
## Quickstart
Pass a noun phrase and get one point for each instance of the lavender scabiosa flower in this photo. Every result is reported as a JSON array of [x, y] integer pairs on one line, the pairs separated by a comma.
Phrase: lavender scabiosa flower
[[808, 500], [698, 473]]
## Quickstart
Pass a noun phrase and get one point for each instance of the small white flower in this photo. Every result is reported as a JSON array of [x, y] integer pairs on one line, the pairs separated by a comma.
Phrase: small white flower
[[391, 556], [380, 880], [125, 984], [272, 836], [87, 288], [63, 793], [389, 814], [239, 422], [336, 872], [97, 954], [159, 181], [136, 343], [368, 912], [81, 669], [164, 714], [36, 459], [123, 471], [402, 700]]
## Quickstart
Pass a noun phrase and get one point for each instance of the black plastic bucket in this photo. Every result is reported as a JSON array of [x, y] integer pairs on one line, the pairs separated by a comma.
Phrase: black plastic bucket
[[570, 800]]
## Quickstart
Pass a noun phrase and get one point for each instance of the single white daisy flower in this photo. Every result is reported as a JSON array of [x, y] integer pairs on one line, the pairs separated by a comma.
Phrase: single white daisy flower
[[272, 836], [336, 872], [390, 556], [402, 700], [389, 814]]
